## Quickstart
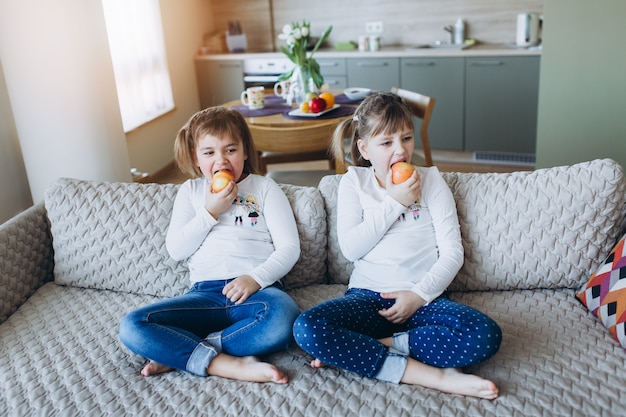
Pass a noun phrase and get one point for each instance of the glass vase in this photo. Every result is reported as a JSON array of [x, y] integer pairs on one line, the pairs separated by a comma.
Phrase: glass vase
[[302, 84]]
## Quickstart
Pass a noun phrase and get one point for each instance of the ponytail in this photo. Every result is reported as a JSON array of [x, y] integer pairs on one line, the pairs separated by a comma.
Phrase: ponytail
[[348, 129]]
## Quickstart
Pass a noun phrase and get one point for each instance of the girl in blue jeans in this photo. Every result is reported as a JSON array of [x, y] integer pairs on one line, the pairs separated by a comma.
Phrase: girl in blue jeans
[[394, 323], [236, 308]]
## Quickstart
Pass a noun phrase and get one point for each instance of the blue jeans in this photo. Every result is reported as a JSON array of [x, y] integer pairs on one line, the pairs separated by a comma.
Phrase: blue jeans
[[344, 333], [188, 331]]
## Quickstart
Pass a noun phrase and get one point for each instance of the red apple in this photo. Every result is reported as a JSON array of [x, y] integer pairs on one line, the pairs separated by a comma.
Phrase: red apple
[[317, 104], [221, 179], [401, 171]]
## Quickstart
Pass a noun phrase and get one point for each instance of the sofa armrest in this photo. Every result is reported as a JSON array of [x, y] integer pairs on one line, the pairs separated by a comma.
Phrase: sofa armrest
[[26, 258]]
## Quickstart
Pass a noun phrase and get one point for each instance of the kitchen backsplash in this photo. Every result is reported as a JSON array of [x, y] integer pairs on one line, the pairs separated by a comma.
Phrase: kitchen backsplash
[[405, 22]]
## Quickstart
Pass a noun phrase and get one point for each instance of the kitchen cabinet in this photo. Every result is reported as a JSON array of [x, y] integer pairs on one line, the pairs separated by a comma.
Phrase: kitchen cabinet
[[219, 81], [334, 72], [375, 73], [501, 101], [442, 79], [483, 102]]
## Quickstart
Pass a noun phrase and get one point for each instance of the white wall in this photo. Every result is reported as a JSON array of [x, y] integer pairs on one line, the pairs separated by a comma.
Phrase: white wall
[[14, 190], [59, 107], [61, 87], [582, 93]]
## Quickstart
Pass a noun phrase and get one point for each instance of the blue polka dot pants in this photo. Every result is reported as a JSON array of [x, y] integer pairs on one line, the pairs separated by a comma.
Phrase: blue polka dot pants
[[344, 333]]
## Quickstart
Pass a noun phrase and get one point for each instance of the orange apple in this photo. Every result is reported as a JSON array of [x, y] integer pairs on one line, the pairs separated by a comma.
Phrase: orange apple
[[401, 171], [221, 179]]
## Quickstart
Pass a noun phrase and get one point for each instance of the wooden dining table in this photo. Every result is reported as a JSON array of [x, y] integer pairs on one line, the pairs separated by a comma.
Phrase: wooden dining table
[[275, 116]]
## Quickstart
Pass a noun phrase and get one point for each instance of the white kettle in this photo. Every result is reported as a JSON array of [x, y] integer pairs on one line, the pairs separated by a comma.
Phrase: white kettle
[[528, 29]]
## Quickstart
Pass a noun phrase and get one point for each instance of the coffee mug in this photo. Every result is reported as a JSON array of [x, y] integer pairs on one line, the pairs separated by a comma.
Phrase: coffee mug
[[281, 89], [254, 97]]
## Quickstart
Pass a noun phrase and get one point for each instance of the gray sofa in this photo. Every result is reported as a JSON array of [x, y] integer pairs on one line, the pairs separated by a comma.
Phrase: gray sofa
[[72, 267]]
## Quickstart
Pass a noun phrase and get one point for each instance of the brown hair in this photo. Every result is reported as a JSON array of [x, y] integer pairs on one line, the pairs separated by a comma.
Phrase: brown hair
[[380, 112], [215, 121]]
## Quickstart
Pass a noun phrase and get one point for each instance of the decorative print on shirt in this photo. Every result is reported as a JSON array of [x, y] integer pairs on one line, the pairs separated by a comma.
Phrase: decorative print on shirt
[[414, 209], [247, 206], [252, 207], [239, 210]]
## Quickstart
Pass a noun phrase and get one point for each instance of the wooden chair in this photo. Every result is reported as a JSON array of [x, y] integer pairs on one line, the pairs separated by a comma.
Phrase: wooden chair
[[422, 108], [294, 144]]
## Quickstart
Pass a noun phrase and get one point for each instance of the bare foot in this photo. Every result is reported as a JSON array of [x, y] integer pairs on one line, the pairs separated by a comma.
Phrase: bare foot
[[155, 368], [246, 368], [450, 380], [316, 363], [471, 385]]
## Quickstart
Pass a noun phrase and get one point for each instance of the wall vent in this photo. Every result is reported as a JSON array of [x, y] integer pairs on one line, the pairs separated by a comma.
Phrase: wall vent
[[506, 158]]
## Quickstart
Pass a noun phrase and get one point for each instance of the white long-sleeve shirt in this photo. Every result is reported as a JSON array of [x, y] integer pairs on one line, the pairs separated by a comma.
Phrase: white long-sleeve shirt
[[394, 247], [257, 236]]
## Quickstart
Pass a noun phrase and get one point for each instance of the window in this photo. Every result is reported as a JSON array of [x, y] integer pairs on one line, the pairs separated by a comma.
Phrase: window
[[139, 62]]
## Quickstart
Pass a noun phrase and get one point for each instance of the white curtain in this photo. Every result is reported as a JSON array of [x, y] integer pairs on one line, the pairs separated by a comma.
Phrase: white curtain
[[139, 61]]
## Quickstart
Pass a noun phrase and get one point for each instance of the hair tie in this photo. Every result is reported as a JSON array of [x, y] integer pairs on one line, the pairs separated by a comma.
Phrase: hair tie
[[355, 118]]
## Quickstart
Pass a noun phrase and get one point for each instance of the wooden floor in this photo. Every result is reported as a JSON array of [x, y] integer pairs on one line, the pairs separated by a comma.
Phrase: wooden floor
[[446, 161]]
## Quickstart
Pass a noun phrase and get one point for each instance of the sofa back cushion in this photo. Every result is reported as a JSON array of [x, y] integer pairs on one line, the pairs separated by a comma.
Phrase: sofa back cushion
[[112, 236], [548, 228], [308, 209]]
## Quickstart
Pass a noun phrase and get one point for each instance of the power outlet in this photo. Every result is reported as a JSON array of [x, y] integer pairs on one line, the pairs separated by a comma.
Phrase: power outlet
[[374, 27]]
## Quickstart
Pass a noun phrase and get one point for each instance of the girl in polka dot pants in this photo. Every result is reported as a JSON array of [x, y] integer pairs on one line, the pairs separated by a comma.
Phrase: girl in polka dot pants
[[395, 323]]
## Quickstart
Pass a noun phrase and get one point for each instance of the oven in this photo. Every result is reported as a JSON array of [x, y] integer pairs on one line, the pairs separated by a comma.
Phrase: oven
[[264, 71]]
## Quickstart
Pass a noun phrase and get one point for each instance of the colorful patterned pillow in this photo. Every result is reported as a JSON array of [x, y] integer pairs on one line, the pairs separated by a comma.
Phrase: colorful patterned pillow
[[605, 292]]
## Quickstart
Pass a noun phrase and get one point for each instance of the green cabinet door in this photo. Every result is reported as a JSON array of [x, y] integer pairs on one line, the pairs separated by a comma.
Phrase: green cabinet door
[[334, 72], [442, 79], [501, 101], [375, 73]]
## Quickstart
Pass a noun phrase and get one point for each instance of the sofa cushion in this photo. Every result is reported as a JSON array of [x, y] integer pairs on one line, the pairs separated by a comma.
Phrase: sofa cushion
[[308, 209], [26, 259], [339, 268], [605, 292], [536, 229], [61, 356], [112, 236], [542, 229]]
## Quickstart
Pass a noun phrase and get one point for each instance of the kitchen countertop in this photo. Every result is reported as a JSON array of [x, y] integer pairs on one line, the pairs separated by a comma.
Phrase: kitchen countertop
[[392, 52]]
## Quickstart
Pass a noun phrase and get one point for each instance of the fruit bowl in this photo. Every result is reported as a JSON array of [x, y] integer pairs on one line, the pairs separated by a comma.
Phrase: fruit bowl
[[357, 93]]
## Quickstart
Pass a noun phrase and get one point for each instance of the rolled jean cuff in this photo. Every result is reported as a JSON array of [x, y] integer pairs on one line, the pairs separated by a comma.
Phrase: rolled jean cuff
[[400, 342], [215, 339], [393, 367], [201, 357]]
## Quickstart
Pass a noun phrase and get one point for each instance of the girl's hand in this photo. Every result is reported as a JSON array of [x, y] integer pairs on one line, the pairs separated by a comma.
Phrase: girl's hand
[[218, 203], [239, 289], [407, 192], [407, 303]]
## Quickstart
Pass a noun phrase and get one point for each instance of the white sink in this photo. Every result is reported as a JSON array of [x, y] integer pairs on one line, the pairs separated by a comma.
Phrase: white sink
[[441, 45]]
